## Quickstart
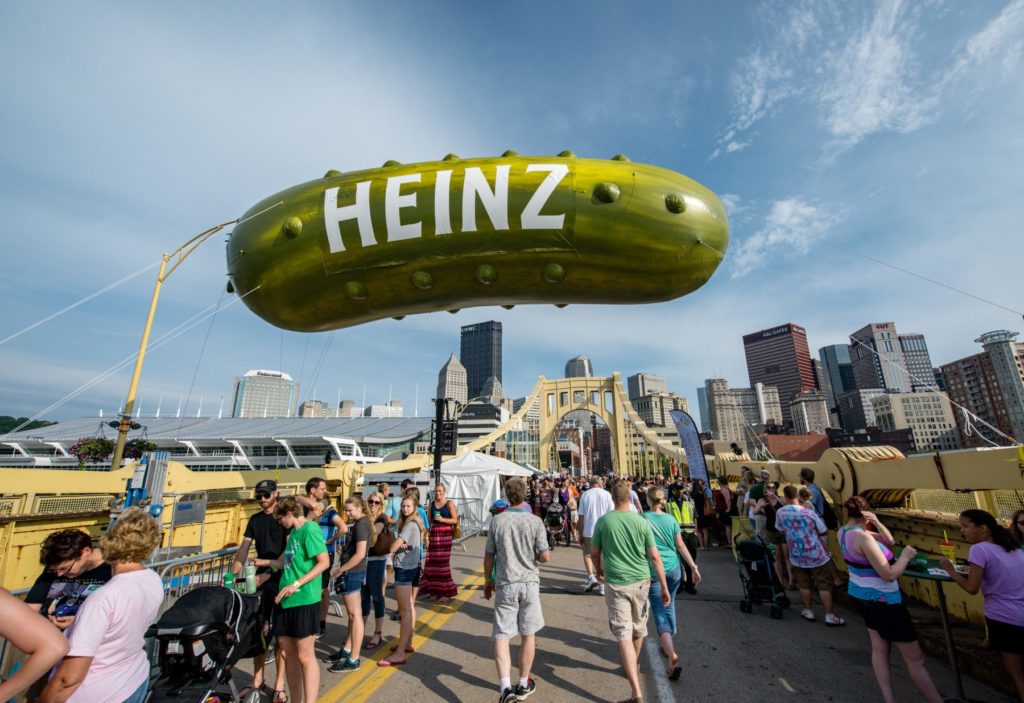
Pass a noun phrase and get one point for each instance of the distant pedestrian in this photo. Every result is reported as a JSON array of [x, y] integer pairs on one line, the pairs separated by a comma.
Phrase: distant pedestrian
[[516, 543], [810, 561], [594, 503], [668, 538], [625, 555], [437, 581], [997, 570], [874, 588]]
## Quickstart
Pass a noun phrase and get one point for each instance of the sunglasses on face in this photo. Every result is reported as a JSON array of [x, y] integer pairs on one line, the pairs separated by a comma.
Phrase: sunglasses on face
[[262, 496], [373, 502]]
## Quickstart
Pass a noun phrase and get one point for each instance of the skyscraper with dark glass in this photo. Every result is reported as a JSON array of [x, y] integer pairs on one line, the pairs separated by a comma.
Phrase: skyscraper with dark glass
[[481, 354], [779, 357]]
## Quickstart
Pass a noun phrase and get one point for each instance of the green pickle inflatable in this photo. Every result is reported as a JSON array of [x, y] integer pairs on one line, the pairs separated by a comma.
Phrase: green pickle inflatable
[[443, 235]]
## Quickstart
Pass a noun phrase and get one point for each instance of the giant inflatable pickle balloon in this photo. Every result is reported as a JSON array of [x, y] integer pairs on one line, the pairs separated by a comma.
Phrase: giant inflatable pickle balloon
[[354, 247]]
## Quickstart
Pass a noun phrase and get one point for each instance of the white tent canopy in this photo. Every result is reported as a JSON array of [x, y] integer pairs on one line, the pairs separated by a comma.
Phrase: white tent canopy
[[472, 481]]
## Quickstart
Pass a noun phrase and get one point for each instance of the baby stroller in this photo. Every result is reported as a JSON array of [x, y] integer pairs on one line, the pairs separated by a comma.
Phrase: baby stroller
[[757, 574], [199, 639], [555, 523]]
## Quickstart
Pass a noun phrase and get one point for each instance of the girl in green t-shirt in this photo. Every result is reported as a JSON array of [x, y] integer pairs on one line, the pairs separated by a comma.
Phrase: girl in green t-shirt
[[297, 616]]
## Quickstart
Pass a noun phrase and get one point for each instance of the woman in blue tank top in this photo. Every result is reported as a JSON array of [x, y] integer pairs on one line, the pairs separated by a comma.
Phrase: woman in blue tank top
[[865, 543]]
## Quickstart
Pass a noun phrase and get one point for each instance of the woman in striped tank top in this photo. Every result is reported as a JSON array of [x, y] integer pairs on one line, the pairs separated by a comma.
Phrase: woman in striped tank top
[[865, 542]]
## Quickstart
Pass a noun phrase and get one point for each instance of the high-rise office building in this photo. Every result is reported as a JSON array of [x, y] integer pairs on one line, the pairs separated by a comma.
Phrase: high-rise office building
[[856, 413], [705, 414], [779, 357], [640, 384], [810, 413], [971, 383], [735, 413], [451, 381], [578, 367], [1007, 356], [918, 362], [263, 393], [928, 414], [878, 360], [837, 375], [480, 353], [313, 408]]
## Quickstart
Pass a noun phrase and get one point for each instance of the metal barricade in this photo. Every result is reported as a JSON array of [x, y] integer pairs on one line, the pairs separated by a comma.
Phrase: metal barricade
[[181, 575], [472, 517]]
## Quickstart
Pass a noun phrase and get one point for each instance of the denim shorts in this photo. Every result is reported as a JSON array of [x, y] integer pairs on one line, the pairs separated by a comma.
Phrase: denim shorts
[[349, 582], [406, 577]]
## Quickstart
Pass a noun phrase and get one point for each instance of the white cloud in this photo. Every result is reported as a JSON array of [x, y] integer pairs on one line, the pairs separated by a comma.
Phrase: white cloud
[[867, 81], [872, 85], [789, 230]]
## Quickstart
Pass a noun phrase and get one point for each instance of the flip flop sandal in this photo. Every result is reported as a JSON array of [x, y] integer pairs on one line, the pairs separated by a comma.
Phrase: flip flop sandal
[[387, 662], [280, 697], [371, 644], [838, 622]]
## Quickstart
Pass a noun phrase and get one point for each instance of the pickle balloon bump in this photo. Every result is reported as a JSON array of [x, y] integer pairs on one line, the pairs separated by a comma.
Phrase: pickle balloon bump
[[402, 239]]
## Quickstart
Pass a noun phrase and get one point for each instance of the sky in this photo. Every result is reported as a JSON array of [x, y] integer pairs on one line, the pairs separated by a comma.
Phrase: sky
[[845, 139]]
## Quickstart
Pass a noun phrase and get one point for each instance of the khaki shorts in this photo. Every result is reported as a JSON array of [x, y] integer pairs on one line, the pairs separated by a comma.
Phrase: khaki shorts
[[628, 608], [819, 578], [517, 611]]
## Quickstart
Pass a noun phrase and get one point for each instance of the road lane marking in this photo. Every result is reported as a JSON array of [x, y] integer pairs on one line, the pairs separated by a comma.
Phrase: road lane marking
[[358, 686]]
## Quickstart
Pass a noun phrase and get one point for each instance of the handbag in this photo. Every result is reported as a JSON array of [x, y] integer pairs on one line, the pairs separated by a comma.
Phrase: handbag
[[385, 540], [457, 529]]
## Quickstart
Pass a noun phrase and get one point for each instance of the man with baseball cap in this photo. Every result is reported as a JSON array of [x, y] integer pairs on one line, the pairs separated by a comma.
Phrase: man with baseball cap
[[270, 539]]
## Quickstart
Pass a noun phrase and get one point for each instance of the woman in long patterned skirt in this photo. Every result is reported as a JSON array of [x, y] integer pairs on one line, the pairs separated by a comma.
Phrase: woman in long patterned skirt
[[437, 571]]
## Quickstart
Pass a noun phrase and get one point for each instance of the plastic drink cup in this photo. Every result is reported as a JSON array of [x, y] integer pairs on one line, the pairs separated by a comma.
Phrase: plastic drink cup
[[948, 550]]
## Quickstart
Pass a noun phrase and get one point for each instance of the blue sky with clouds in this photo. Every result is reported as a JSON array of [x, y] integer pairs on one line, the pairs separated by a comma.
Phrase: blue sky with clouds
[[889, 129]]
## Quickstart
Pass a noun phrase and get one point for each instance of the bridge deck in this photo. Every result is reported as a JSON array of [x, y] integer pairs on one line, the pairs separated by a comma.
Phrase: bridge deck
[[726, 654]]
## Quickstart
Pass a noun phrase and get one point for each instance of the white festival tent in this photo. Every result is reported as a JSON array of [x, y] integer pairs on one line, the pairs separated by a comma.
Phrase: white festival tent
[[471, 480]]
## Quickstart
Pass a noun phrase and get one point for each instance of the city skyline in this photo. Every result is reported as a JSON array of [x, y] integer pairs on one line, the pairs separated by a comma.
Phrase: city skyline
[[881, 129]]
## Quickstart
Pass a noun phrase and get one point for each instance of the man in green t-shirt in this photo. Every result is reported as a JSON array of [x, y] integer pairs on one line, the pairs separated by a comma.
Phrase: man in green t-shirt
[[624, 552]]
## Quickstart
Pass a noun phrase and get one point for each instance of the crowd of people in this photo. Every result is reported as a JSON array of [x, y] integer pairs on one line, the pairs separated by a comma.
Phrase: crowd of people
[[82, 624]]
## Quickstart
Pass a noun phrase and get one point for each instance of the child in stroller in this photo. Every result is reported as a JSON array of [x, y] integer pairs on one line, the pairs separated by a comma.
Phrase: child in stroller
[[557, 525], [199, 639], [758, 576]]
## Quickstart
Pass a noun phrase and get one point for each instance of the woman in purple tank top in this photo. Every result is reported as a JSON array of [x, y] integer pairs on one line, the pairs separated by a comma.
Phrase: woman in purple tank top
[[997, 570]]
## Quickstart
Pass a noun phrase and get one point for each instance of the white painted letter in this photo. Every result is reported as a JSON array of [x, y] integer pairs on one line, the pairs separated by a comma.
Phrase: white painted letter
[[532, 219], [442, 208], [358, 211], [495, 203], [393, 204]]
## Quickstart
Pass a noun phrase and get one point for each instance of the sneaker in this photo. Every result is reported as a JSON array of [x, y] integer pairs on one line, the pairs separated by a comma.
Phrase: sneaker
[[522, 692], [600, 589], [807, 614], [833, 620], [507, 696], [338, 656], [590, 583], [347, 665]]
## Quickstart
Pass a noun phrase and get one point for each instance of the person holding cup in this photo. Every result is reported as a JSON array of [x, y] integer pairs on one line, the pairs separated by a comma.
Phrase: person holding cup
[[996, 568], [865, 544]]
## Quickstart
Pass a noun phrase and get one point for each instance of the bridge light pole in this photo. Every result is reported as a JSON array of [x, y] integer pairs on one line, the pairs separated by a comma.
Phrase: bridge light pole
[[180, 254]]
